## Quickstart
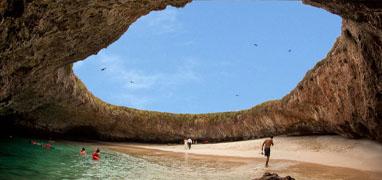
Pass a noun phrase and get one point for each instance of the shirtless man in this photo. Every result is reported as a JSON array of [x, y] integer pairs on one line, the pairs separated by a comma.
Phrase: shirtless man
[[267, 149]]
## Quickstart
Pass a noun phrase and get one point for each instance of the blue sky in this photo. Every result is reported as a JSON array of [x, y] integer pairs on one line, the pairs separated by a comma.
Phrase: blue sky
[[202, 58]]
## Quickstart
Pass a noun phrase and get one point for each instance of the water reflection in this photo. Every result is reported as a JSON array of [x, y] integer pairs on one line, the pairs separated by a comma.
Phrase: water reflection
[[19, 160]]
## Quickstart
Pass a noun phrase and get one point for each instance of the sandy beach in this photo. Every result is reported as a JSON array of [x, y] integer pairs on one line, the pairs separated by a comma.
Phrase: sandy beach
[[314, 157], [326, 150]]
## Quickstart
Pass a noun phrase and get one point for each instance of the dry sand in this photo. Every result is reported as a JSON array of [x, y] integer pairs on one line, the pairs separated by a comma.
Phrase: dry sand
[[307, 157], [326, 150]]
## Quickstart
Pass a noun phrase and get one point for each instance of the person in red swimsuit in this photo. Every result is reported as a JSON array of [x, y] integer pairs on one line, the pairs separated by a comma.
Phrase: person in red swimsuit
[[47, 146], [33, 142], [96, 155]]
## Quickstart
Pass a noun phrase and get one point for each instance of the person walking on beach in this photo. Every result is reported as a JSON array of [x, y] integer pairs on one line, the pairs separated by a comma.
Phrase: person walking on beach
[[189, 142], [266, 148], [185, 144]]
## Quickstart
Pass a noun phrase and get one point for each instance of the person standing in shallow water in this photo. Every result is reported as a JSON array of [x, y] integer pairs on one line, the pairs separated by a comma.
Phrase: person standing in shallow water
[[96, 155], [83, 152], [266, 148]]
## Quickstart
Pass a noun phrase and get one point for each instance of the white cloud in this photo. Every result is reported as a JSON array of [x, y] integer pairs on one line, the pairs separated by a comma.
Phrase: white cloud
[[185, 72], [134, 81], [136, 101], [78, 64], [188, 43], [162, 22]]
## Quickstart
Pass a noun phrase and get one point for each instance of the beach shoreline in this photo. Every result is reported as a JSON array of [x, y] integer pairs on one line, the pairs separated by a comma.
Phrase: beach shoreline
[[332, 151]]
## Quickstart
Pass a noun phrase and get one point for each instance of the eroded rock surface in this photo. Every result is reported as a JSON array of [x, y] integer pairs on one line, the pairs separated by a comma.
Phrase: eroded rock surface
[[41, 39], [273, 176]]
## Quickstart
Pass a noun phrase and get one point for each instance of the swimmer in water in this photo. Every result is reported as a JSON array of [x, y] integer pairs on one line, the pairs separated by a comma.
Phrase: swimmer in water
[[33, 142], [96, 155], [83, 152], [47, 146]]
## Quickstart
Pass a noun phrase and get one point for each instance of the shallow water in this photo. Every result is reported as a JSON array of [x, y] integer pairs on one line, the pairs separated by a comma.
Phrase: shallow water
[[19, 159]]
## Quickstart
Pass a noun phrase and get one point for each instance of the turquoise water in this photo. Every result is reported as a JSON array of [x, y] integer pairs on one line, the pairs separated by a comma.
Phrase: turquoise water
[[19, 159]]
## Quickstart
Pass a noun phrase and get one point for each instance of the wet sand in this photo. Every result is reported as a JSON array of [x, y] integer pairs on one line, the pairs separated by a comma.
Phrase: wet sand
[[311, 157]]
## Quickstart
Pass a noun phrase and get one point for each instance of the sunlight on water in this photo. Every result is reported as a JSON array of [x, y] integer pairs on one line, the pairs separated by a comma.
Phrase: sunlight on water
[[20, 159]]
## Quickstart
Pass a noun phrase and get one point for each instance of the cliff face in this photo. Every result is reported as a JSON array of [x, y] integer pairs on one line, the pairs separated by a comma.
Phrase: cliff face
[[345, 89], [41, 39]]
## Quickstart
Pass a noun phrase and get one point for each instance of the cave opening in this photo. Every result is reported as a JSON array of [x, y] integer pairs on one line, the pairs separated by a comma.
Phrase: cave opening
[[211, 56]]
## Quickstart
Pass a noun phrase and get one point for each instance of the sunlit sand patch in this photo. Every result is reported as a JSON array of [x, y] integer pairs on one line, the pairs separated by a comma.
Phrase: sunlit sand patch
[[313, 157]]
